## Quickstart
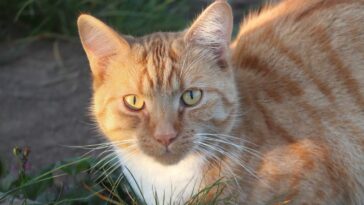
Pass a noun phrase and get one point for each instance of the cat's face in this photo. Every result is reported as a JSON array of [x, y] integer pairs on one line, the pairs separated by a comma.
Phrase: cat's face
[[160, 94]]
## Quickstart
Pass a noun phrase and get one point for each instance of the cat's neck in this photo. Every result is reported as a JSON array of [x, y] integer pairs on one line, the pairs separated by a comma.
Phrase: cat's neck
[[178, 182]]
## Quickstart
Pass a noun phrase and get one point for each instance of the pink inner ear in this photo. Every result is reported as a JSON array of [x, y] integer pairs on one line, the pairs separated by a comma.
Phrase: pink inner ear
[[101, 45], [213, 27], [99, 40], [102, 64]]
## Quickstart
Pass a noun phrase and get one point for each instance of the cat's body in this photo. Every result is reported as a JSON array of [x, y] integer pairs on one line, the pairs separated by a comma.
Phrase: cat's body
[[281, 118], [300, 74]]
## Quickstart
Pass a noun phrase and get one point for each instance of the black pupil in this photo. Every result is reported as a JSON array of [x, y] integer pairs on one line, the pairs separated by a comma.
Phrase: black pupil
[[191, 95], [134, 100]]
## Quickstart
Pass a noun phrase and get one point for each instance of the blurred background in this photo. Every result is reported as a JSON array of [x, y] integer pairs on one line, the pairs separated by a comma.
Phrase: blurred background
[[44, 74]]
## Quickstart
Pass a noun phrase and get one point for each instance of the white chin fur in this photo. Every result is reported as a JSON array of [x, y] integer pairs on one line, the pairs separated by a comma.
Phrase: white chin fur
[[172, 183]]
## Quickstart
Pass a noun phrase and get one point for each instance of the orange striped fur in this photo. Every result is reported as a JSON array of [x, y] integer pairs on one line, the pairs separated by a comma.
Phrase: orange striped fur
[[281, 118]]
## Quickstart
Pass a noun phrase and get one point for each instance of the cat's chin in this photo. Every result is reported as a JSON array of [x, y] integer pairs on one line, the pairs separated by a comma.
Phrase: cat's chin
[[165, 156], [169, 158]]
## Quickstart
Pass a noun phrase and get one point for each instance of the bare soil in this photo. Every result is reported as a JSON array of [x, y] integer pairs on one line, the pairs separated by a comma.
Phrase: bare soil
[[44, 98]]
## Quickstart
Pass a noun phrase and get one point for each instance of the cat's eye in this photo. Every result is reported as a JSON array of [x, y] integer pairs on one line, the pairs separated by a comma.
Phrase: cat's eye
[[191, 97], [133, 102]]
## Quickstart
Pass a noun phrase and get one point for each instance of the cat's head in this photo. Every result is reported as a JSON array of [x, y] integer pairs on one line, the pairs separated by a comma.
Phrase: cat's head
[[159, 94]]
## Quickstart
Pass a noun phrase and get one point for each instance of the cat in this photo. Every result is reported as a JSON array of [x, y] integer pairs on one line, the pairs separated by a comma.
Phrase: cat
[[277, 114]]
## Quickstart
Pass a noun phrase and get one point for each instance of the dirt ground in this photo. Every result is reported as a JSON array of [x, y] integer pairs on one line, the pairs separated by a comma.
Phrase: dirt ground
[[44, 98]]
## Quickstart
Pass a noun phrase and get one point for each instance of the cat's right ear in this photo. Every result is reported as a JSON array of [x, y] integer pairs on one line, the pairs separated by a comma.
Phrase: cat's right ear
[[100, 43], [213, 28]]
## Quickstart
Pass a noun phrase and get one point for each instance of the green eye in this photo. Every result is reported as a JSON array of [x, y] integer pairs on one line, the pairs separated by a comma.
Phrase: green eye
[[133, 102], [191, 97]]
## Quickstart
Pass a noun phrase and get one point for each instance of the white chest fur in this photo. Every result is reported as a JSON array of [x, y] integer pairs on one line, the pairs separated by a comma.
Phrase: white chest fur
[[176, 183]]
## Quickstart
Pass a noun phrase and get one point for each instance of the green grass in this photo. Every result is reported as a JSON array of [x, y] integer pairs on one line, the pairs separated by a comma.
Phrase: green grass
[[24, 18], [89, 182]]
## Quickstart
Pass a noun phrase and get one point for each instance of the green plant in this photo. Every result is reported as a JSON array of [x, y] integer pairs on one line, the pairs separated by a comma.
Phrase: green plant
[[95, 181], [92, 181], [89, 183], [137, 17]]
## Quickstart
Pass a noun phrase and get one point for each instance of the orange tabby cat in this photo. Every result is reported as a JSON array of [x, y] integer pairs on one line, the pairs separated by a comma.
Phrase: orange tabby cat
[[278, 114]]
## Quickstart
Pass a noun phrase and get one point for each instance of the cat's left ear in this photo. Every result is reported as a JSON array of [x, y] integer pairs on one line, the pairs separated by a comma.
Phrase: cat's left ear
[[213, 28], [100, 43]]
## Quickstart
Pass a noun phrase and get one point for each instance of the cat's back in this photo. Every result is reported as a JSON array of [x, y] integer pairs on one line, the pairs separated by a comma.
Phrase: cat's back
[[309, 34], [300, 72], [306, 51]]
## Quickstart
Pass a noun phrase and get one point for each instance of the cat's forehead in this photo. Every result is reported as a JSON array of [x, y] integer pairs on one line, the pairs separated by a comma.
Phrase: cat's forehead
[[160, 44], [164, 37], [158, 56]]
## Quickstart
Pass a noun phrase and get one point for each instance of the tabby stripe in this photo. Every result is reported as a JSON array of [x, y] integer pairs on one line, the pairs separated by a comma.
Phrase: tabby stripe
[[315, 116], [159, 52], [222, 121], [155, 60], [173, 55], [271, 125], [342, 72], [334, 172], [318, 7], [273, 93], [145, 74], [255, 64], [170, 77], [168, 72], [295, 58], [298, 173], [225, 100]]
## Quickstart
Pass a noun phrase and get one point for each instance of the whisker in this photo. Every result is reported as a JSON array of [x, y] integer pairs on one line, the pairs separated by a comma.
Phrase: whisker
[[238, 146], [112, 167], [227, 136], [115, 166], [101, 145], [108, 156], [224, 164], [231, 157]]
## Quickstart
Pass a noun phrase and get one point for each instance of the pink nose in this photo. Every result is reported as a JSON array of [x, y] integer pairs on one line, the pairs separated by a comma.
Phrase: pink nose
[[166, 139]]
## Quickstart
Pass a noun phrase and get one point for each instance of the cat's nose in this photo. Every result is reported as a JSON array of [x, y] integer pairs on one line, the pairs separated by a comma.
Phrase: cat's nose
[[166, 139]]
